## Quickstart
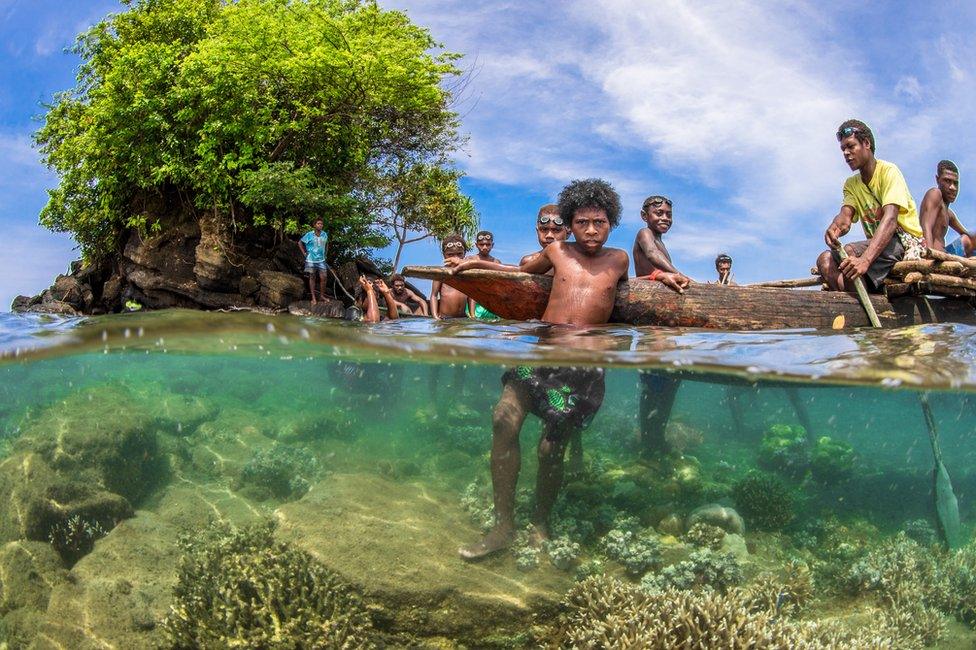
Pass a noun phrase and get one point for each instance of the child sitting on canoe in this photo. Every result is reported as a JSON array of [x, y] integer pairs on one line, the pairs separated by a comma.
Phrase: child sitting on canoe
[[651, 257], [936, 215], [445, 301], [584, 288]]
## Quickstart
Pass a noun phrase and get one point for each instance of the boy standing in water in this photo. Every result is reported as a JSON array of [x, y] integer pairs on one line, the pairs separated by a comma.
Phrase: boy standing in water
[[445, 301], [314, 245], [584, 287], [651, 256], [937, 216]]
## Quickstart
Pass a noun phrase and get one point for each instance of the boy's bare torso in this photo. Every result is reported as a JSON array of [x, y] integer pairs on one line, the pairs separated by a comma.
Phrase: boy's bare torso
[[452, 302], [646, 239], [584, 287]]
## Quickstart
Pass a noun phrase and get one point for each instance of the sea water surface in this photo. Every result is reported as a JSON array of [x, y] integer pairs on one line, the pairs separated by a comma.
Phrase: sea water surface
[[368, 447]]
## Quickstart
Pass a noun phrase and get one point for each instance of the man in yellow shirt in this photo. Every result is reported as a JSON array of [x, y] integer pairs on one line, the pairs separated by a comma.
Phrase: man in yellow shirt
[[877, 196]]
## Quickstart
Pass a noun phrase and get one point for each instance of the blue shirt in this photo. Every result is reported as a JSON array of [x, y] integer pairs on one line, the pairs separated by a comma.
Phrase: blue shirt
[[315, 246]]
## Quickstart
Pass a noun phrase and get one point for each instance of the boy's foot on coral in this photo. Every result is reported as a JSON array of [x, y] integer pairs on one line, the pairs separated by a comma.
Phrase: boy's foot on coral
[[538, 535], [491, 543]]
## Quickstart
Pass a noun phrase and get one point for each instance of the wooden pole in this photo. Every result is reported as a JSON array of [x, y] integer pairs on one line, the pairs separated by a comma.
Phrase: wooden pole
[[904, 267], [943, 256], [862, 293], [815, 281]]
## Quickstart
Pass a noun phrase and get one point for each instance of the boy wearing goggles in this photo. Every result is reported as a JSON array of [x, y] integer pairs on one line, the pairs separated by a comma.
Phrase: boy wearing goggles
[[877, 196], [484, 241], [445, 301], [651, 256]]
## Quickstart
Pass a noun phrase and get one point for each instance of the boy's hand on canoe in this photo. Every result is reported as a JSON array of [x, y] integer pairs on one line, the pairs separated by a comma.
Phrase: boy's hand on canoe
[[674, 281], [456, 264]]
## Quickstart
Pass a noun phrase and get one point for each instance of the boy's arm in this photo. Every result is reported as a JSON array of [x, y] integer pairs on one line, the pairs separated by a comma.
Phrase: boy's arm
[[301, 245], [957, 225], [457, 266], [420, 301], [928, 215], [372, 312], [840, 226], [653, 253], [471, 305], [435, 290], [391, 305]]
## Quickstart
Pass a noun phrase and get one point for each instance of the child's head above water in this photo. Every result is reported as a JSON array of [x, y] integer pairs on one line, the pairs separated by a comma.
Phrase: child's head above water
[[453, 245], [657, 213], [485, 241], [592, 194]]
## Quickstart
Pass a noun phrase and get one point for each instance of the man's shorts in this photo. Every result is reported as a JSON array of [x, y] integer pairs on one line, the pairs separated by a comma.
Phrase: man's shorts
[[881, 267], [956, 248], [311, 267], [564, 398]]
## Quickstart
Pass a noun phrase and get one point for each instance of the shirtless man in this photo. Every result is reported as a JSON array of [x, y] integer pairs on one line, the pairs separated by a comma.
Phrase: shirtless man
[[403, 295], [584, 287], [445, 301], [651, 257], [369, 304], [936, 215]]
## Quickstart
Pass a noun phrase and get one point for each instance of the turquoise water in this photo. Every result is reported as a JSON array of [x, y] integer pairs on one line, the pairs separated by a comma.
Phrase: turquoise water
[[369, 447]]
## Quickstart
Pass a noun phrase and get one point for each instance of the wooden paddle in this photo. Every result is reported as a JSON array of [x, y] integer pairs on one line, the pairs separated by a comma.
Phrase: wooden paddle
[[946, 504], [862, 293]]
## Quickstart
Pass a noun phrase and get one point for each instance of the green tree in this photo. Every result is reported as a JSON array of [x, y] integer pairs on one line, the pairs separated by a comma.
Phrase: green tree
[[261, 113]]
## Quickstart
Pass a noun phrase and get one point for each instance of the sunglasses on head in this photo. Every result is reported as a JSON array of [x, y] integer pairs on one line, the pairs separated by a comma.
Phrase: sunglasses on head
[[548, 218], [485, 238], [847, 132]]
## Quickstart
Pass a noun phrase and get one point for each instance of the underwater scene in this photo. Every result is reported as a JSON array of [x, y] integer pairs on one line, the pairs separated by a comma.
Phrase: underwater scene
[[194, 480]]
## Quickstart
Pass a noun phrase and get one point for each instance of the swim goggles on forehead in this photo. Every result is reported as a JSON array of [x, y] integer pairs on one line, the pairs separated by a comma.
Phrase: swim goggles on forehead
[[654, 201], [482, 238], [453, 244], [549, 218], [848, 131]]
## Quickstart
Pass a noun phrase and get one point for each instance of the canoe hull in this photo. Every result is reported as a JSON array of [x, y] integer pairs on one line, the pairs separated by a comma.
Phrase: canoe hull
[[523, 296]]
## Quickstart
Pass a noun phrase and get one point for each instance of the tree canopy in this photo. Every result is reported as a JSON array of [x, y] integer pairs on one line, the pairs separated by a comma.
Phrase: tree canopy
[[265, 113]]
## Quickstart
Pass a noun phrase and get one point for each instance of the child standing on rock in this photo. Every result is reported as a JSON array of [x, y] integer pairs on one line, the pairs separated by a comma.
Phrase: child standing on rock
[[314, 245]]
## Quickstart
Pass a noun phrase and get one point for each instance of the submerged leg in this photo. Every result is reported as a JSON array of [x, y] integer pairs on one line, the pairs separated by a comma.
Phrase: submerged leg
[[657, 393], [549, 480], [576, 453], [506, 461], [801, 411]]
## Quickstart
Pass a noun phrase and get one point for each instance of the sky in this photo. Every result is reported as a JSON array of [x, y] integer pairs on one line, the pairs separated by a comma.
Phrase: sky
[[729, 109]]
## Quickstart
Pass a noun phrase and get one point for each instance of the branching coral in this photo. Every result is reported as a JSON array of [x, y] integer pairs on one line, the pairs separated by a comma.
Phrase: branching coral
[[245, 589], [786, 449], [605, 613], [75, 537], [787, 593], [562, 552]]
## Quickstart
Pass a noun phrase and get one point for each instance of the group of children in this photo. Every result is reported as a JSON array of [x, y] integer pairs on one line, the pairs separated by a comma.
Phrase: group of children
[[586, 275]]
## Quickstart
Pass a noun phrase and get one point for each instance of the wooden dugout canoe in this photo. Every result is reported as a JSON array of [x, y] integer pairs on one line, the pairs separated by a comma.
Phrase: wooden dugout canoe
[[523, 296]]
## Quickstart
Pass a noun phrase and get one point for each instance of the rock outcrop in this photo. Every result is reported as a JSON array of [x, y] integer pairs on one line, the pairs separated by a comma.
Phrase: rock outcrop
[[192, 264]]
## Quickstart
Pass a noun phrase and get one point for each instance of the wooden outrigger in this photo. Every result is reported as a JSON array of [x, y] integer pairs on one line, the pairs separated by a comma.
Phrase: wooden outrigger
[[523, 296]]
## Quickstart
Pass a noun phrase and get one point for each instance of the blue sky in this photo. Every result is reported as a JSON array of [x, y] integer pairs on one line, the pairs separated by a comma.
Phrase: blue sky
[[728, 108]]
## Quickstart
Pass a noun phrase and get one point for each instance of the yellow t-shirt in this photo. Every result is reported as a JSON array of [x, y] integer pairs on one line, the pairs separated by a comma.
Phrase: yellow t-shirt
[[887, 187]]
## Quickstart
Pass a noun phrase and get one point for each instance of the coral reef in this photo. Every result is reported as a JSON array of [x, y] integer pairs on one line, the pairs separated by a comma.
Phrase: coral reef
[[922, 531], [562, 552], [74, 537], [705, 535], [785, 448], [703, 568], [245, 589], [715, 514], [280, 472], [787, 592], [831, 460], [637, 552], [526, 557], [681, 437], [764, 500], [606, 613]]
